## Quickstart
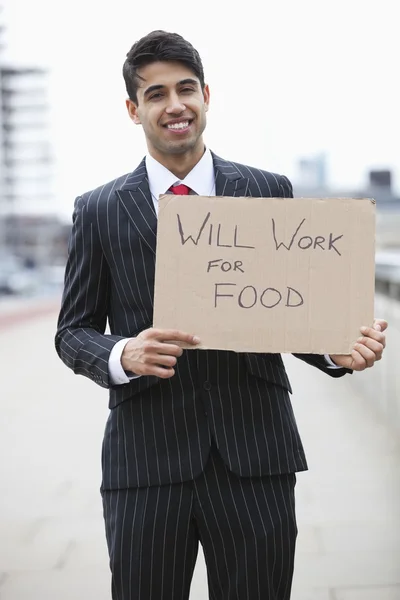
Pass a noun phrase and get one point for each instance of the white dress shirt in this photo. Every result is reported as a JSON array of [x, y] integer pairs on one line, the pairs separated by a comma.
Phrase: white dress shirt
[[201, 180]]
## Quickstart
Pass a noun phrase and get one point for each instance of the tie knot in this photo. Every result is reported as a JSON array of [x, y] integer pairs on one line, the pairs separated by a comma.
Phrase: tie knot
[[180, 190]]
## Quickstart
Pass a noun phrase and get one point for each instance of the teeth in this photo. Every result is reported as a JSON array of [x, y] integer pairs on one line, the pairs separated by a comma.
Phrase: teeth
[[181, 125]]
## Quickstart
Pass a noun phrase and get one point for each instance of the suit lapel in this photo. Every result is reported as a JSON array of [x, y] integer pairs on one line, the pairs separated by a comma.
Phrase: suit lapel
[[135, 198], [228, 180]]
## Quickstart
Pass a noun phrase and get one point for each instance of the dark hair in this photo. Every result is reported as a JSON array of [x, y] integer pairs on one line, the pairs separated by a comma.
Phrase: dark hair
[[159, 46]]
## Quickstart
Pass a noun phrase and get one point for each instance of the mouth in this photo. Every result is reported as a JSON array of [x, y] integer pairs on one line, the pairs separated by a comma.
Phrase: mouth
[[179, 126]]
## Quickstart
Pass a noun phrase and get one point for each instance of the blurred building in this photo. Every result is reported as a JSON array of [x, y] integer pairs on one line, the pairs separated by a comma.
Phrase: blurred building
[[28, 188], [27, 153], [2, 166], [312, 182], [2, 44], [29, 224], [312, 171]]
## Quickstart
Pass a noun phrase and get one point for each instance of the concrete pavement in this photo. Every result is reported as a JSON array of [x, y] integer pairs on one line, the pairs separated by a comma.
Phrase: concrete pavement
[[52, 544]]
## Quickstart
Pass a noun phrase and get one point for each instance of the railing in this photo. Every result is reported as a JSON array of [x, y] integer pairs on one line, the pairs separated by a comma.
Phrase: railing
[[381, 385], [388, 273]]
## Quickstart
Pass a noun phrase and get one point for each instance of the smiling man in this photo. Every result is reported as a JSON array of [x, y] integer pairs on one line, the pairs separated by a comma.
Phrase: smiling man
[[171, 105], [199, 446]]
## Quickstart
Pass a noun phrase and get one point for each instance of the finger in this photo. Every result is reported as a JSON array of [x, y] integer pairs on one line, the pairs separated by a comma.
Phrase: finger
[[359, 363], [164, 348], [154, 347], [376, 347], [161, 372], [366, 353], [382, 324], [159, 359], [372, 333], [165, 335]]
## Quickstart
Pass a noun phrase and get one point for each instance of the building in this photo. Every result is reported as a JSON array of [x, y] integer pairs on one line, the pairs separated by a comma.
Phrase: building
[[28, 219], [28, 196], [26, 147], [2, 161], [312, 183]]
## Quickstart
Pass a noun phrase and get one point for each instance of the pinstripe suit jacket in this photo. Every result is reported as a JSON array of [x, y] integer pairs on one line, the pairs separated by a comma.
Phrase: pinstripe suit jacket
[[159, 431]]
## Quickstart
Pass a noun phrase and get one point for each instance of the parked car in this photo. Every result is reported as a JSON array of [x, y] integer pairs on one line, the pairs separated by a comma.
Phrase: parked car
[[15, 278]]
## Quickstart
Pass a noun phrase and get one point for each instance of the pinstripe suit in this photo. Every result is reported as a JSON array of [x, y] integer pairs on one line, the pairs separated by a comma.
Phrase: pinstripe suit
[[209, 454]]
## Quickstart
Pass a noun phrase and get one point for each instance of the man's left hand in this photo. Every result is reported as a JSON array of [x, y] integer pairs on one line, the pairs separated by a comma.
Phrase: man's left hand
[[367, 349]]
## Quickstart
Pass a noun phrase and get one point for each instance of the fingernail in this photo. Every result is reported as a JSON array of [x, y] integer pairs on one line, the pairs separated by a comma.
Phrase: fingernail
[[364, 329], [196, 340], [377, 327]]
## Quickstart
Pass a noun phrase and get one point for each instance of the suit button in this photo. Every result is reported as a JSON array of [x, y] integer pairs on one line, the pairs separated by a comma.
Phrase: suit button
[[207, 386]]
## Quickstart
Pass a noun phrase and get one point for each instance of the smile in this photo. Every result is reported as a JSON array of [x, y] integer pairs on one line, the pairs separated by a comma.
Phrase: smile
[[178, 127]]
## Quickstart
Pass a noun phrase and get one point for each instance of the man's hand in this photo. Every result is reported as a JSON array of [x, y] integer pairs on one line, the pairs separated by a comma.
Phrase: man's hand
[[150, 353], [367, 349]]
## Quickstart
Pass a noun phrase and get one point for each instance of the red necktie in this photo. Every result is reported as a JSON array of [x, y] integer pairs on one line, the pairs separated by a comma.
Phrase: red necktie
[[180, 190]]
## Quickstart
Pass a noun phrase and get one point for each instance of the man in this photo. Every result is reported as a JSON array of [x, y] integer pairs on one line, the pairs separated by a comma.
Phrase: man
[[199, 445]]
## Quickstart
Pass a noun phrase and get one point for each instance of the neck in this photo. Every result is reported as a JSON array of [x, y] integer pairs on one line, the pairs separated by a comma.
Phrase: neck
[[179, 164]]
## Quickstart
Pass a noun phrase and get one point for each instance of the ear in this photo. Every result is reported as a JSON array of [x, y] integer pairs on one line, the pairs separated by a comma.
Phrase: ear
[[133, 111], [206, 95]]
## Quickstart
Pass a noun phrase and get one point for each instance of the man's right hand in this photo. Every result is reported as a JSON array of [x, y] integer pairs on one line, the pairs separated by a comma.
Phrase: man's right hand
[[153, 353]]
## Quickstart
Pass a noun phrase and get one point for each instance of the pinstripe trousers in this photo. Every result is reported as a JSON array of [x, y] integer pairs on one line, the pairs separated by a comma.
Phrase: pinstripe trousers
[[246, 525]]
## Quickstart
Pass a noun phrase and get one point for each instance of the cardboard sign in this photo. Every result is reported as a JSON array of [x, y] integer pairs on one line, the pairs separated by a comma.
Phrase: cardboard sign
[[266, 274]]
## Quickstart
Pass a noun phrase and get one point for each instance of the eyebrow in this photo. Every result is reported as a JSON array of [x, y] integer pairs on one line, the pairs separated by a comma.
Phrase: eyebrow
[[154, 88], [188, 81]]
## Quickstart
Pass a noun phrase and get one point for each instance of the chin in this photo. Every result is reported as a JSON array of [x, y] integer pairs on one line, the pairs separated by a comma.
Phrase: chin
[[180, 147]]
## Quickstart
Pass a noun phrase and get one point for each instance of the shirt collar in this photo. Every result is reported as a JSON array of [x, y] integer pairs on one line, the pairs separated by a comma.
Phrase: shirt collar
[[201, 178]]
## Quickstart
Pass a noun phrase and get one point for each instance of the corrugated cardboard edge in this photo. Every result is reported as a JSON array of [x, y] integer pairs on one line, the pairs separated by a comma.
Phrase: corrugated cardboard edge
[[164, 200], [372, 200]]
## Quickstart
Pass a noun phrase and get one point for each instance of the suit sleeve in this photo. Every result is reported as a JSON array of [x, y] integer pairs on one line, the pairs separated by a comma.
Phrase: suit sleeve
[[316, 360], [80, 339]]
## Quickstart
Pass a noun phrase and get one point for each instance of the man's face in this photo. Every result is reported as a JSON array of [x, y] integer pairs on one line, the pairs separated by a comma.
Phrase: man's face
[[171, 108]]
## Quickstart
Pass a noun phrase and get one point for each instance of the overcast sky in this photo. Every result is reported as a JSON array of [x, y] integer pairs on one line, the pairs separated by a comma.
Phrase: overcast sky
[[288, 79]]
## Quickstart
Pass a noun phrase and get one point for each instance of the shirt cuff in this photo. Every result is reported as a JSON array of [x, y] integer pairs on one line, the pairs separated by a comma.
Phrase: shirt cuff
[[331, 364], [116, 372]]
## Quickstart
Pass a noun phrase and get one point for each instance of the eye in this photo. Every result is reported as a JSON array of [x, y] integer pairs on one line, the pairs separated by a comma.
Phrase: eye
[[156, 96], [187, 90]]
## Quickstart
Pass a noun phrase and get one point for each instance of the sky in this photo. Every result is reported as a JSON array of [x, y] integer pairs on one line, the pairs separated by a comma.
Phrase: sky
[[289, 78]]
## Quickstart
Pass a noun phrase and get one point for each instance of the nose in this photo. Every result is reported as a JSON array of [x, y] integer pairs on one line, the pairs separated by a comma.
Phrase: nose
[[175, 106]]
